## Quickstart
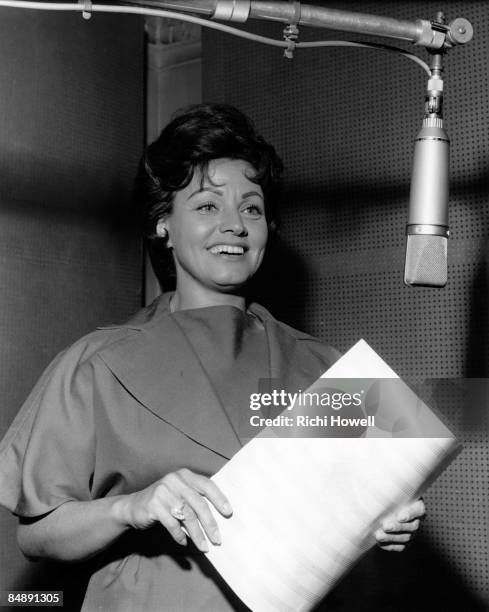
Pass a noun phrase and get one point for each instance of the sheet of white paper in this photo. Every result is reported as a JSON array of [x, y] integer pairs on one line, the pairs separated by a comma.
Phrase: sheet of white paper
[[305, 509]]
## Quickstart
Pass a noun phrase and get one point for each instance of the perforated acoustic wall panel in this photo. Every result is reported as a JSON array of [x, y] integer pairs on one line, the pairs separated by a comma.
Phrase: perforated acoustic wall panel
[[344, 121]]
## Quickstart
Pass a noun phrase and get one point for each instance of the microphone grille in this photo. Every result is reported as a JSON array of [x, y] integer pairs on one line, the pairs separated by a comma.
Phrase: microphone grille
[[426, 260], [433, 122]]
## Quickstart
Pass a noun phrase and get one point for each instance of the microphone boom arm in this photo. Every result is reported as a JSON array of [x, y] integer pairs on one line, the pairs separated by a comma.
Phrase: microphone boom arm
[[422, 32]]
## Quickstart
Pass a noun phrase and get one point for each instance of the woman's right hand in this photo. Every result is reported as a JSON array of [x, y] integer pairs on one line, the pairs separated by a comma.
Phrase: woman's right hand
[[179, 502]]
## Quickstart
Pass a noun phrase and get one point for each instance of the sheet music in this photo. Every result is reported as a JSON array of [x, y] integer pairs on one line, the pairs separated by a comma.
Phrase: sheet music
[[305, 509]]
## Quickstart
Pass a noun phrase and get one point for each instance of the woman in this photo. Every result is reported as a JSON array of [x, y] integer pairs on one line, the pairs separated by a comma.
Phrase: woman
[[112, 452]]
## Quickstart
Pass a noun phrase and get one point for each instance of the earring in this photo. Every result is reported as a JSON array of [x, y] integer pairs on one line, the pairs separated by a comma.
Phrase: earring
[[161, 230]]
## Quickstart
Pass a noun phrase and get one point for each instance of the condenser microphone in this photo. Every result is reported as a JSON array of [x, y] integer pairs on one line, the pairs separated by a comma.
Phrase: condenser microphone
[[427, 227]]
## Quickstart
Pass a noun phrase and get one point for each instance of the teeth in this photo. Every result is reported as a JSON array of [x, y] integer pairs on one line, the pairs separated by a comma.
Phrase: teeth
[[227, 248]]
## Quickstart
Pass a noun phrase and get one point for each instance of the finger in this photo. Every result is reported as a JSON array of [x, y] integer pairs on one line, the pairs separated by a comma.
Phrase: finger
[[394, 548], [173, 526], [392, 538], [391, 526], [415, 510], [193, 528], [206, 487], [202, 513], [163, 498], [195, 510]]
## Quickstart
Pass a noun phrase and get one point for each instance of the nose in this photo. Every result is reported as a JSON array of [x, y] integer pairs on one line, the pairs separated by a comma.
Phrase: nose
[[232, 222]]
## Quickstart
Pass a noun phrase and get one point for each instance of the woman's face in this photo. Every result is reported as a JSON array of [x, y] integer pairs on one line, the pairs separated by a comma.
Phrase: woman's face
[[217, 228]]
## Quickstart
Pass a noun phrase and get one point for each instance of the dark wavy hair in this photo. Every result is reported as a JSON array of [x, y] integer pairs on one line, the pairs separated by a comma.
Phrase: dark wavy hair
[[196, 135]]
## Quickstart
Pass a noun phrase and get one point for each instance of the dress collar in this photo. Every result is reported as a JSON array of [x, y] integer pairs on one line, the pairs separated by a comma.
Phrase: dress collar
[[155, 363]]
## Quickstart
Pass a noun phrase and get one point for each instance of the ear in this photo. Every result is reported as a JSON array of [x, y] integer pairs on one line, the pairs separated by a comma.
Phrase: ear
[[162, 231]]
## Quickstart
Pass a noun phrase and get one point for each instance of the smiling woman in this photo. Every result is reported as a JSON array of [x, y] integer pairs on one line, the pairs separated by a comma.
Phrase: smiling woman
[[113, 452], [187, 151], [217, 231]]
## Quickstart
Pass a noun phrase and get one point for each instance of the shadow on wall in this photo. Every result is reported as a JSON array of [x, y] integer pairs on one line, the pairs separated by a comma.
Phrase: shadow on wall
[[417, 580], [282, 279], [477, 364]]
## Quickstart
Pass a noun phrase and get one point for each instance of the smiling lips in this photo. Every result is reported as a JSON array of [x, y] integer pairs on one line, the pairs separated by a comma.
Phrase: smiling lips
[[227, 249]]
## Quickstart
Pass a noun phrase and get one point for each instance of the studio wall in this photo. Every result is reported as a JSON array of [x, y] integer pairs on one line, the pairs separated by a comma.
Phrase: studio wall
[[71, 133], [344, 122]]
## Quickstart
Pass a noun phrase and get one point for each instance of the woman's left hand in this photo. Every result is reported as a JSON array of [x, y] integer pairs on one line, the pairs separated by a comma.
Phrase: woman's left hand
[[398, 529]]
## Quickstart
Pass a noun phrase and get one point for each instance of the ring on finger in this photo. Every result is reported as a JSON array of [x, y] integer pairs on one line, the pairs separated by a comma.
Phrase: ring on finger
[[177, 511]]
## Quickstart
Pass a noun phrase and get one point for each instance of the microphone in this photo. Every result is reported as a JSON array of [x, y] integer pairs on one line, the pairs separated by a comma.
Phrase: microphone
[[427, 226]]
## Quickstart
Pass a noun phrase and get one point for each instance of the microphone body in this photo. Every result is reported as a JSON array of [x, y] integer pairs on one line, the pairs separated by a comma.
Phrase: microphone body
[[427, 227]]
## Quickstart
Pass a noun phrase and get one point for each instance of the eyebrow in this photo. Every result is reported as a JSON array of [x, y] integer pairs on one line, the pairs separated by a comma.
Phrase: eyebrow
[[220, 193], [252, 193], [205, 188]]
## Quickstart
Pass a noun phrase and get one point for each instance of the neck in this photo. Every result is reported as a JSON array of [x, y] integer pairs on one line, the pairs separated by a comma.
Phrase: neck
[[184, 300]]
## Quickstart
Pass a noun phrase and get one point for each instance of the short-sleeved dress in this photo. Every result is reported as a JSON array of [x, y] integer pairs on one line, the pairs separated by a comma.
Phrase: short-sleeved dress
[[127, 404]]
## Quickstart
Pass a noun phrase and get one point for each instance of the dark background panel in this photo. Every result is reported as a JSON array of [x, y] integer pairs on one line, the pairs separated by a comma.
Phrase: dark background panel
[[344, 121], [71, 133]]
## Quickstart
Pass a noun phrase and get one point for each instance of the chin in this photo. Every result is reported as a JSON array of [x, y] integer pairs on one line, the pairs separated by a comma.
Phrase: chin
[[228, 285], [238, 289]]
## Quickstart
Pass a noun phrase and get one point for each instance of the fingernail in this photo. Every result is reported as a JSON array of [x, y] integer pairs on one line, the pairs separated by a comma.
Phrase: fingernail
[[389, 527], [203, 546], [227, 508], [403, 517], [216, 538], [183, 541]]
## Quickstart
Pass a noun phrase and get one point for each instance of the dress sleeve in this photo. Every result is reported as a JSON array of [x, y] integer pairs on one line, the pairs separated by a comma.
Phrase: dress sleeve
[[47, 455]]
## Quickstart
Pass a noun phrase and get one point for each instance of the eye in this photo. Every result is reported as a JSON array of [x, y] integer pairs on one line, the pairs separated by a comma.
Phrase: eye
[[206, 207], [254, 210]]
